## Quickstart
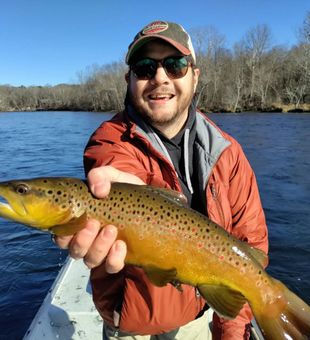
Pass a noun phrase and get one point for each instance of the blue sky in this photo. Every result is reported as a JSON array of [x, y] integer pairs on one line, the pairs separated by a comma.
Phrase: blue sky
[[47, 42]]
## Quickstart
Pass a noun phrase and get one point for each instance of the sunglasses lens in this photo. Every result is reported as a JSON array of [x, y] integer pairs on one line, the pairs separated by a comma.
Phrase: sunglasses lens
[[145, 69], [176, 67]]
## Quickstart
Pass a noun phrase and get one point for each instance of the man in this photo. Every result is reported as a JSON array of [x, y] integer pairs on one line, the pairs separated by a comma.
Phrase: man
[[160, 139]]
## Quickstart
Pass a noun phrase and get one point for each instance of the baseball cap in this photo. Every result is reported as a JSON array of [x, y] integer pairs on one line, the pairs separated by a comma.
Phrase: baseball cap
[[171, 32]]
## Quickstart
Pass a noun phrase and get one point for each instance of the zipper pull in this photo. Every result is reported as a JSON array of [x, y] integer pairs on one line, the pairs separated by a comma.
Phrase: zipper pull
[[213, 191]]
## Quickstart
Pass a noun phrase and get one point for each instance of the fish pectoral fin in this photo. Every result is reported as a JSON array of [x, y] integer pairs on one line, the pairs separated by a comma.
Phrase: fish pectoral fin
[[225, 301], [160, 277], [71, 227]]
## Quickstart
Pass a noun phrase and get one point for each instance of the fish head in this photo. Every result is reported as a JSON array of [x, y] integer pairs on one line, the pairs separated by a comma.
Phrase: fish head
[[41, 203]]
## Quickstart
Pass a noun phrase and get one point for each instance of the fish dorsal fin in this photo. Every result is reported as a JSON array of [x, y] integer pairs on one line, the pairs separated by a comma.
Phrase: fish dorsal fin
[[225, 301], [170, 194], [260, 256], [160, 277], [71, 227]]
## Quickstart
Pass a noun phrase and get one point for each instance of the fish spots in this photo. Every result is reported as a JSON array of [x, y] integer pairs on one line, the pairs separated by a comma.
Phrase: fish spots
[[158, 243], [211, 248], [180, 251], [261, 280], [199, 245]]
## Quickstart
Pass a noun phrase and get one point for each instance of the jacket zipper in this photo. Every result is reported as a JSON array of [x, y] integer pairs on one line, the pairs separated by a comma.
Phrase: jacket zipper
[[214, 194]]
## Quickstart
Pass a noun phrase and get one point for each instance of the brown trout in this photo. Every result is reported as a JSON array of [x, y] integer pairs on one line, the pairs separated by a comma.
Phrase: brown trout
[[172, 243]]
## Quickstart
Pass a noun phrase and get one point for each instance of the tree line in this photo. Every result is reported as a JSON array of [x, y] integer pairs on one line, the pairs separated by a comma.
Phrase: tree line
[[252, 75]]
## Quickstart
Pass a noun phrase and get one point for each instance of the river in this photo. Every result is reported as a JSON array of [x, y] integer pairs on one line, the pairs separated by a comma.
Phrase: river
[[34, 144]]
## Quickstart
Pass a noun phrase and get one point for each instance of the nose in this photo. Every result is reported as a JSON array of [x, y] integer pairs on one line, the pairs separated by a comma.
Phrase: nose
[[160, 75]]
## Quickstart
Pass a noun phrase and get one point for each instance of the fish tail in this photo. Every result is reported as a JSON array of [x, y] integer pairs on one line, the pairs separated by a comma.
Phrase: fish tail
[[286, 318]]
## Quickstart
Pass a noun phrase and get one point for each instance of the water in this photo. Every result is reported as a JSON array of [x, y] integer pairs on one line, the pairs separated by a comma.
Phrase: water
[[51, 144], [278, 148], [31, 145]]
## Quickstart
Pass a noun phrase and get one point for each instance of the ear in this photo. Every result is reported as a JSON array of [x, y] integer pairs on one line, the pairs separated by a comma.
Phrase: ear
[[127, 75], [196, 77]]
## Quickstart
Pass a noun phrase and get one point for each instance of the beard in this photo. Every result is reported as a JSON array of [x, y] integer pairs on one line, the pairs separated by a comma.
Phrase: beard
[[166, 118]]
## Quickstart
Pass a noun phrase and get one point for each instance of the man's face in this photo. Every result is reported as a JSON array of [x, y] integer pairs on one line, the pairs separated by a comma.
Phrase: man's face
[[162, 101]]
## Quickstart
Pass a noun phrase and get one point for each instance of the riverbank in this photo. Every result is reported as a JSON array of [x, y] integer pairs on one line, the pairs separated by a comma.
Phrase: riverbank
[[289, 108], [93, 97], [277, 107]]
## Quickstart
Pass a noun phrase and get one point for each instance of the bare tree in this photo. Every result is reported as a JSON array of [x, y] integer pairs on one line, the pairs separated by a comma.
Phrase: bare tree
[[304, 31], [297, 80], [211, 53], [256, 42], [238, 78]]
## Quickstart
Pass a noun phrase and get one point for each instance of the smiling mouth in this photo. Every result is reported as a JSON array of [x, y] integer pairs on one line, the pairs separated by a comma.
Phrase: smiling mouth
[[164, 97]]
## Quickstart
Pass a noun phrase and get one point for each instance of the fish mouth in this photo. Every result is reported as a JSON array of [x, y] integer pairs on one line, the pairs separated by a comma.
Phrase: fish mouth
[[4, 203], [11, 210]]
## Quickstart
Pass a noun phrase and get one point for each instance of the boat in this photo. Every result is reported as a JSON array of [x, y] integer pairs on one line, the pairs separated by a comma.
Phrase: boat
[[68, 312]]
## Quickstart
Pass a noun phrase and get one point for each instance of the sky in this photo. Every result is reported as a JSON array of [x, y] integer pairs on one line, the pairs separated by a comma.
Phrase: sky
[[48, 42]]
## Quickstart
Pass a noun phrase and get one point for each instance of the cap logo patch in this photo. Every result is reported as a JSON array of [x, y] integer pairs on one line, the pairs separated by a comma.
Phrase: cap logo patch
[[155, 27]]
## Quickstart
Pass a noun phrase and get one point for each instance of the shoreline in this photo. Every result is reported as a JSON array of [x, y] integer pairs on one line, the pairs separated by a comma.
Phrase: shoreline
[[303, 108]]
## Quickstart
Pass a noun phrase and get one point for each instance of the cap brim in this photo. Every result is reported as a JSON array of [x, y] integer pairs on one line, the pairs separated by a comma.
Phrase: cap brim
[[143, 40]]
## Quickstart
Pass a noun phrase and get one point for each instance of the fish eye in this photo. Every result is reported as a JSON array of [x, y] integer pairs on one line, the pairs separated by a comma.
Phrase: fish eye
[[22, 189]]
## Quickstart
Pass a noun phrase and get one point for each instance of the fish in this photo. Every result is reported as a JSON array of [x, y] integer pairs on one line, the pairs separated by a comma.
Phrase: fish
[[173, 243]]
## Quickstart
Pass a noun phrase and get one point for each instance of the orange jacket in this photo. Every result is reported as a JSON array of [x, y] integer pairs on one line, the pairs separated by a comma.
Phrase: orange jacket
[[229, 190]]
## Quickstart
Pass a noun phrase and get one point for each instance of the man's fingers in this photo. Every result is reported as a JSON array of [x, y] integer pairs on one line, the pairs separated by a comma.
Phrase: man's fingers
[[83, 240], [100, 246], [100, 179], [99, 182], [125, 177], [62, 241], [96, 247], [115, 259]]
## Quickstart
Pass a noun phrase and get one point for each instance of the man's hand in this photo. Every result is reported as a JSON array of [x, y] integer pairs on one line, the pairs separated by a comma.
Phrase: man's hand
[[92, 244]]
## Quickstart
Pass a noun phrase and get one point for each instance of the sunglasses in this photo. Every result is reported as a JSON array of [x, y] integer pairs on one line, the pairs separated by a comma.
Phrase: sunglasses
[[175, 67]]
